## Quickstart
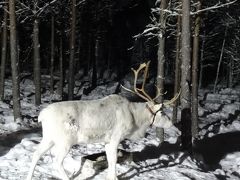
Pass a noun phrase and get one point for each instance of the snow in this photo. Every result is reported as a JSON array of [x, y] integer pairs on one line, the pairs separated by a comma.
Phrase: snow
[[217, 149]]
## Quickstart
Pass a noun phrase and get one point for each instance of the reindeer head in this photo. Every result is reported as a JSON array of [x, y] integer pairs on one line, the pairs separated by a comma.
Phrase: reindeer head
[[159, 118]]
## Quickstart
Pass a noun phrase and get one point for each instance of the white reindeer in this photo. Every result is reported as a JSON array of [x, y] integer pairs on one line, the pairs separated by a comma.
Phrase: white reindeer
[[109, 120]]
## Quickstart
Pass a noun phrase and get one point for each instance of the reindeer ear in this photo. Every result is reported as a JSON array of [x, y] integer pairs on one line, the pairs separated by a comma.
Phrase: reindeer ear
[[158, 106]]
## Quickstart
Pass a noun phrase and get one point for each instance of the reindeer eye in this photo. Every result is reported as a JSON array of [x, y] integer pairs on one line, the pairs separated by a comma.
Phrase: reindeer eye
[[162, 113]]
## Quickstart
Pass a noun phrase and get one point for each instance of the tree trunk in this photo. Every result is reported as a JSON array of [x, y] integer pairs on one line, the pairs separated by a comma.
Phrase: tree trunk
[[61, 79], [14, 62], [202, 59], [161, 49], [177, 70], [95, 62], [110, 54], [3, 54], [52, 57], [161, 59], [195, 62], [230, 73], [72, 53], [36, 59], [61, 55], [220, 60], [89, 52], [185, 76]]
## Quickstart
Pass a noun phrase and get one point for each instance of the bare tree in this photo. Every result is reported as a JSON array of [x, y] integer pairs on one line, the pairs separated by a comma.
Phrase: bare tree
[[161, 49], [161, 57], [61, 79], [52, 56], [4, 53], [232, 53], [34, 9], [195, 61], [185, 76], [95, 62], [14, 61], [220, 59], [202, 58], [61, 51], [72, 53], [36, 56], [177, 69]]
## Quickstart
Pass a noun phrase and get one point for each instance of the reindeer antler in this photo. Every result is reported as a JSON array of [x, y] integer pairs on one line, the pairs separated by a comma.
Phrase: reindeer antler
[[158, 93], [173, 99], [141, 91]]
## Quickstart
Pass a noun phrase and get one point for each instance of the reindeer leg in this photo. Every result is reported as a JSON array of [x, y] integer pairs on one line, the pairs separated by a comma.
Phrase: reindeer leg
[[43, 147], [111, 151], [78, 172], [63, 150]]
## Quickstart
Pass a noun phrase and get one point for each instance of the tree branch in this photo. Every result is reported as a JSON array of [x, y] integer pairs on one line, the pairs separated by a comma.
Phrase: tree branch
[[177, 11], [24, 6], [80, 2], [44, 7], [213, 7]]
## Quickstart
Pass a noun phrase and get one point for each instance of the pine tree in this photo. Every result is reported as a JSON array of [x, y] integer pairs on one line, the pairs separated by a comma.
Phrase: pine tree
[[185, 77], [195, 61], [36, 57], [161, 58], [14, 61], [72, 53], [3, 54]]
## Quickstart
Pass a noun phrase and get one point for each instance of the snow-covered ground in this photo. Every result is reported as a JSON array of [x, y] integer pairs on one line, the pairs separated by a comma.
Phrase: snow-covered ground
[[216, 153]]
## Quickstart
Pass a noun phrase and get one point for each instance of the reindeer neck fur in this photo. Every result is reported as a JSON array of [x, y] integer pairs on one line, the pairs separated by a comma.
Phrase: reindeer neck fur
[[141, 112], [142, 119]]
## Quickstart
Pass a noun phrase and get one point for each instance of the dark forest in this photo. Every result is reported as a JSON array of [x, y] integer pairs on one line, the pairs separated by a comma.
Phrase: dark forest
[[81, 50]]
